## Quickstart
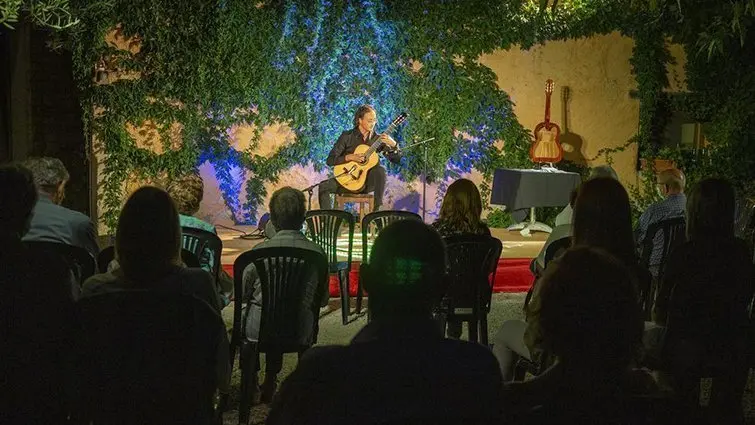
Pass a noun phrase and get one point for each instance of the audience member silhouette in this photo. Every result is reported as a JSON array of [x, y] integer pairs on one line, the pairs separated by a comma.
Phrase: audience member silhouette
[[602, 219], [703, 300], [148, 250], [36, 313], [52, 222], [398, 368], [671, 184], [460, 215], [563, 222], [565, 216], [287, 210], [590, 320]]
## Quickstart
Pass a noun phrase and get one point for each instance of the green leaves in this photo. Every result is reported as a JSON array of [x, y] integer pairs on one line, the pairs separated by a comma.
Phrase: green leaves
[[211, 65]]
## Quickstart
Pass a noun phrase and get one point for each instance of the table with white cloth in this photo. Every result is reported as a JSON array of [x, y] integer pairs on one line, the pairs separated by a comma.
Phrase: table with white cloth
[[518, 189]]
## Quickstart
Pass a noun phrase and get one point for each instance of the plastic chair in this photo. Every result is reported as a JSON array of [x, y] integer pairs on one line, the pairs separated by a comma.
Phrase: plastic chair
[[673, 233], [148, 357], [80, 261], [324, 228], [472, 261], [197, 241], [286, 312], [717, 347], [556, 249], [107, 255], [372, 224]]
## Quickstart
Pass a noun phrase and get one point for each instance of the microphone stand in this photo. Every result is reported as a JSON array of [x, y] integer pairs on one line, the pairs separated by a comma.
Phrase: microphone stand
[[310, 189], [424, 171]]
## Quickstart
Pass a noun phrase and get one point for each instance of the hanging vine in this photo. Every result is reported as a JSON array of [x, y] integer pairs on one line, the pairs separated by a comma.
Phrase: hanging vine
[[208, 67]]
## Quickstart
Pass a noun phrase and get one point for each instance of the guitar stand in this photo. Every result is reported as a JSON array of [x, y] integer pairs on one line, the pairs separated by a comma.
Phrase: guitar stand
[[526, 228]]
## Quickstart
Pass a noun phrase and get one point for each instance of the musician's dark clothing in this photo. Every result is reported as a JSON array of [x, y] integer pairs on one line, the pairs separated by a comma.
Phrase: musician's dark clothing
[[346, 144]]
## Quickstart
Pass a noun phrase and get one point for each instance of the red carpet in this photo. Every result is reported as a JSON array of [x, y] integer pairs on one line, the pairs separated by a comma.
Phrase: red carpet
[[512, 275]]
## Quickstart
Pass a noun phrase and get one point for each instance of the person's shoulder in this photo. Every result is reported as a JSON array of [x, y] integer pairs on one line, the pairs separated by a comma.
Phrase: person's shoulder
[[194, 276], [74, 216], [100, 283], [322, 360]]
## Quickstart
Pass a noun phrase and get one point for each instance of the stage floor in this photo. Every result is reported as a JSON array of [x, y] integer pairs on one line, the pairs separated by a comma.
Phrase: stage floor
[[512, 273], [514, 244]]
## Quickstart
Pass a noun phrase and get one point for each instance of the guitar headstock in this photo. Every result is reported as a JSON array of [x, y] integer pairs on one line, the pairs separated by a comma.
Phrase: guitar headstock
[[565, 93], [549, 86], [399, 119]]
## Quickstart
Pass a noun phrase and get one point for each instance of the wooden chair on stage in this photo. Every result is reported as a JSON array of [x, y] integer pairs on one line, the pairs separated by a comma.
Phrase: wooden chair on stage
[[365, 201]]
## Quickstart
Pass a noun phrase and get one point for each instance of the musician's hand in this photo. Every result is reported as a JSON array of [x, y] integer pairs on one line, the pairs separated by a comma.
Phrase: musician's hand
[[355, 157], [388, 141]]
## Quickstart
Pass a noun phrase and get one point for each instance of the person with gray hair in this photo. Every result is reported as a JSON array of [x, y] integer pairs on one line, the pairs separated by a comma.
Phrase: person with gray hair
[[51, 221], [670, 185], [287, 213]]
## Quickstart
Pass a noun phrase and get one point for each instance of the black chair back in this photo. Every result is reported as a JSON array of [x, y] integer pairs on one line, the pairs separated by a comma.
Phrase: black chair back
[[556, 249], [197, 241], [376, 221], [472, 259], [147, 357], [287, 301], [107, 255], [79, 260], [372, 224], [671, 231], [708, 339], [324, 228]]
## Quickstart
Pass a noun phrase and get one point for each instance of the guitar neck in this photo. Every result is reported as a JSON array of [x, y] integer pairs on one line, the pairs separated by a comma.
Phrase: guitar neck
[[547, 108], [377, 143]]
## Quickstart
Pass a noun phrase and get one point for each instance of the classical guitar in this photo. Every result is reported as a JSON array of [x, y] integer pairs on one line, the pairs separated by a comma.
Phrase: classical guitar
[[352, 175], [547, 147]]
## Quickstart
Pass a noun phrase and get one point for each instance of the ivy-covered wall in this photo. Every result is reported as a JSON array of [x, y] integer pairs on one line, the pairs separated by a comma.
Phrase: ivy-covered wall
[[198, 74]]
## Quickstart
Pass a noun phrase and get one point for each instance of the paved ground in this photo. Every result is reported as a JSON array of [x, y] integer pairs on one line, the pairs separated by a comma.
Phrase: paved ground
[[504, 307]]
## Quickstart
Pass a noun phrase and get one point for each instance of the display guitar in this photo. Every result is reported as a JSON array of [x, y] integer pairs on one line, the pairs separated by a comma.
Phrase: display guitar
[[547, 146], [352, 175]]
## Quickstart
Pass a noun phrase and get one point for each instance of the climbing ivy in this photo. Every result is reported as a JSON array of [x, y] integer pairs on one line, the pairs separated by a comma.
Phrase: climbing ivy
[[210, 66]]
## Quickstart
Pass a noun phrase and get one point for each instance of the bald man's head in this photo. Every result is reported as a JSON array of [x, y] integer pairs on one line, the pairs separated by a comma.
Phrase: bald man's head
[[673, 181]]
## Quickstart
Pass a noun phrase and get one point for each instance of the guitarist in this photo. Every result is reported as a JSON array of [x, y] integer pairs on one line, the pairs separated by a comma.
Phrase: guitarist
[[343, 151]]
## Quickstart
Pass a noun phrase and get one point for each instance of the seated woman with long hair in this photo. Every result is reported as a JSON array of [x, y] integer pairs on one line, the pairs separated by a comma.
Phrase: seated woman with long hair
[[701, 312], [148, 251], [590, 321], [602, 219], [460, 211], [460, 215]]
